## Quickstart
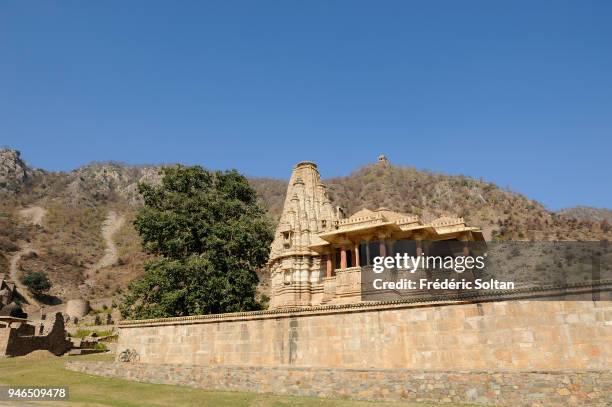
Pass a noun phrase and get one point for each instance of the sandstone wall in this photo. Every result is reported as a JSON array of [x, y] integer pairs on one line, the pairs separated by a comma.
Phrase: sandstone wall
[[505, 336], [514, 389]]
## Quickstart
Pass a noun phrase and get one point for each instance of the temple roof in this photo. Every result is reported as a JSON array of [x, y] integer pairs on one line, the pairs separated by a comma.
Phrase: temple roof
[[383, 221]]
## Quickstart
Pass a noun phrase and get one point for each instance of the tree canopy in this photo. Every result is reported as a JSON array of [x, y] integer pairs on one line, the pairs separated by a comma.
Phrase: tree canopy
[[209, 235]]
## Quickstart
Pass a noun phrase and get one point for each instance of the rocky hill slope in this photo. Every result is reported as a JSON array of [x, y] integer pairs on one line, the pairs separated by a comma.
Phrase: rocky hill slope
[[14, 173], [85, 241], [587, 213]]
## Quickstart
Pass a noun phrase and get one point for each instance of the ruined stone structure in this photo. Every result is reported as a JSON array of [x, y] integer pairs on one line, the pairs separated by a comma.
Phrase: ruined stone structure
[[7, 289], [77, 308], [19, 337], [317, 256]]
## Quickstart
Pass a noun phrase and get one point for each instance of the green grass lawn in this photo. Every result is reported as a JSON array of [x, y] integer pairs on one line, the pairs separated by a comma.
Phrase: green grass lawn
[[87, 390]]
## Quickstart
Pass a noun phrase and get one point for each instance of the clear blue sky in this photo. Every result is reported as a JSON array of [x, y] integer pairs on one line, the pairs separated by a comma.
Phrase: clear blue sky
[[519, 93]]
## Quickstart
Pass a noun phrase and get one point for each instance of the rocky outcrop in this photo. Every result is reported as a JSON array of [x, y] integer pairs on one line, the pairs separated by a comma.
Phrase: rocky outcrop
[[110, 181], [90, 184], [14, 172]]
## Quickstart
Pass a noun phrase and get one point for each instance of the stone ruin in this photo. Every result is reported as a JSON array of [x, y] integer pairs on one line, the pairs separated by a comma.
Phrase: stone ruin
[[18, 336], [77, 318], [21, 333], [7, 291], [77, 308], [8, 307]]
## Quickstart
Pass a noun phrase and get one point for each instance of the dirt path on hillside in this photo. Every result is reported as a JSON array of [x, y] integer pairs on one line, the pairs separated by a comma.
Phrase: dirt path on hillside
[[33, 215], [111, 225], [14, 273]]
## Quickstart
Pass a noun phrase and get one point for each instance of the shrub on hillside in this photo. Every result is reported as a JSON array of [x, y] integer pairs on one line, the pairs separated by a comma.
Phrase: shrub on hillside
[[37, 282]]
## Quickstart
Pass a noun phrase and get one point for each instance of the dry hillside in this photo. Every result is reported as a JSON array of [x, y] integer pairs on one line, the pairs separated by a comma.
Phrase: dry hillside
[[502, 214], [70, 244], [589, 214]]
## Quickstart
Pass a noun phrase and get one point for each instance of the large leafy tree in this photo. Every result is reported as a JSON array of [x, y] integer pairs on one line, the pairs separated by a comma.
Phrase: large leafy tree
[[209, 235]]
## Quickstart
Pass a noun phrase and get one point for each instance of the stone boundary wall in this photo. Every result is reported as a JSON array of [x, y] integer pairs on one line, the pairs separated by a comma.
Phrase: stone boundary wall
[[502, 335], [529, 388]]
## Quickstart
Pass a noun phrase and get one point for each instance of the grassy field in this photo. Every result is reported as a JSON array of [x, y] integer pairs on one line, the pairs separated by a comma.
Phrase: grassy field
[[86, 390]]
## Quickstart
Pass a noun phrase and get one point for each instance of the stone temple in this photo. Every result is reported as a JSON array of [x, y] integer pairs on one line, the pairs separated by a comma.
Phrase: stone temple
[[317, 255], [320, 338]]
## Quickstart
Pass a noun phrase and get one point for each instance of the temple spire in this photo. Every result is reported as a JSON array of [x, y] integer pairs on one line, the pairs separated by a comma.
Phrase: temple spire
[[307, 211]]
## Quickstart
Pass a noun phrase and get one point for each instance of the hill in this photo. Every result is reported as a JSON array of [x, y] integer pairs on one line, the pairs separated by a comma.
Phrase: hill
[[587, 213], [85, 241]]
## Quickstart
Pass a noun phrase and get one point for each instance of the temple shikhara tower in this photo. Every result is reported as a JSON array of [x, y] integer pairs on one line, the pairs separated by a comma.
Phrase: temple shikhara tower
[[296, 268], [317, 256]]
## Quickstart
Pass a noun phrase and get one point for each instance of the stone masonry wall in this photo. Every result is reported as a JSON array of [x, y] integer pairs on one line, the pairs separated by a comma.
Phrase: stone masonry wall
[[514, 389], [4, 337], [22, 340], [503, 336]]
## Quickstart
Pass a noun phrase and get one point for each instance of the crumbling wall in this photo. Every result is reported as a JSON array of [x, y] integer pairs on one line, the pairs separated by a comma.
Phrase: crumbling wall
[[4, 337], [23, 339]]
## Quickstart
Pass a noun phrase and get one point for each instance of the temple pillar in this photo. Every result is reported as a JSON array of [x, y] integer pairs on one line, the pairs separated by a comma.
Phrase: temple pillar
[[343, 258], [329, 266], [367, 245], [356, 263], [419, 248], [382, 245]]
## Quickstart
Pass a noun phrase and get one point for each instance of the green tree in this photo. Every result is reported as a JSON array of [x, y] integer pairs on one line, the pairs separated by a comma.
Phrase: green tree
[[37, 282], [209, 235]]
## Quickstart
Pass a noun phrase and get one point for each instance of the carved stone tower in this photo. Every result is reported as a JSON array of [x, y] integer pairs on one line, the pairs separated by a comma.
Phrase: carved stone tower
[[297, 271]]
